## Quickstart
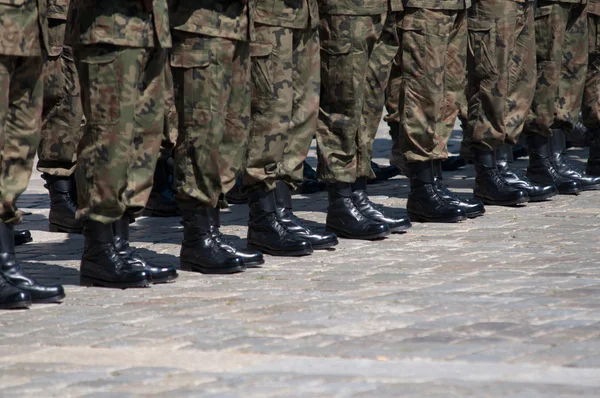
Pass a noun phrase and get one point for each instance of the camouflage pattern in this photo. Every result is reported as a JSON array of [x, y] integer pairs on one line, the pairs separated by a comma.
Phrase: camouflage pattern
[[501, 72], [170, 130], [127, 23], [356, 60], [293, 14], [562, 57], [438, 4], [62, 115], [23, 37], [212, 97], [285, 103], [590, 108], [122, 92], [429, 80], [23, 27], [359, 7]]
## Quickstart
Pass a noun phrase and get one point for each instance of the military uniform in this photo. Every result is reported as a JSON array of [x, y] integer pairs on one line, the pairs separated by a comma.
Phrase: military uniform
[[119, 48], [23, 43], [62, 113], [359, 41], [285, 91]]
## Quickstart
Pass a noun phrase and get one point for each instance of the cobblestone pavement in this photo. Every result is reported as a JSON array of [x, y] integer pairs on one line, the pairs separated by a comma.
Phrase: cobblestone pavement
[[507, 305]]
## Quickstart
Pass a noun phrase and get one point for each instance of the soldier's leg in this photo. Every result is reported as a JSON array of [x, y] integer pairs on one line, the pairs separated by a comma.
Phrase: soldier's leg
[[552, 22], [202, 73], [493, 29], [110, 79], [429, 39], [591, 97], [347, 42], [62, 119], [21, 90], [377, 76], [272, 82]]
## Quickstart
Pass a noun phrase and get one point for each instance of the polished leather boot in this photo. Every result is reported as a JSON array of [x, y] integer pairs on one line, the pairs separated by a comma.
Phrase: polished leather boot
[[490, 187], [536, 193], [592, 167], [134, 259], [12, 272], [346, 220], [369, 209], [200, 252], [472, 207], [266, 231], [564, 168], [63, 204], [541, 169], [161, 202], [252, 258], [12, 297], [101, 265], [283, 199], [22, 236], [425, 204]]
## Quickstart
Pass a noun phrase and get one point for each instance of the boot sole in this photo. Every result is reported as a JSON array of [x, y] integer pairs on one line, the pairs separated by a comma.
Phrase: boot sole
[[591, 188], [502, 203], [187, 266], [281, 253], [399, 230], [49, 300], [476, 214], [346, 235], [325, 246], [419, 218], [87, 281], [542, 198], [570, 191], [62, 229], [254, 264], [164, 280], [16, 306]]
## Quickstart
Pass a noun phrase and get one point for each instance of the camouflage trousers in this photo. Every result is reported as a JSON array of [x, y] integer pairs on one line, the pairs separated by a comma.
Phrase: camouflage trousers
[[562, 57], [356, 61], [501, 72], [21, 91], [428, 81], [591, 94], [211, 77], [285, 104], [62, 116], [170, 129], [123, 102]]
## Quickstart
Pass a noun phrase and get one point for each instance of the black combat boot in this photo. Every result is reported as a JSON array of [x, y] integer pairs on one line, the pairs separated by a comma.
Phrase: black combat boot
[[346, 220], [63, 204], [134, 259], [369, 209], [200, 252], [541, 169], [564, 168], [252, 258], [267, 233], [490, 187], [472, 207], [425, 204], [12, 297], [283, 198], [22, 236], [161, 202], [593, 164], [12, 272], [536, 193], [101, 265]]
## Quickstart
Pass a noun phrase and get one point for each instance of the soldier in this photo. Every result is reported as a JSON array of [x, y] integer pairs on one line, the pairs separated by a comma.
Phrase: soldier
[[120, 54], [562, 56], [501, 81], [285, 105], [591, 94], [23, 40], [210, 61], [359, 41], [62, 123], [431, 69]]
